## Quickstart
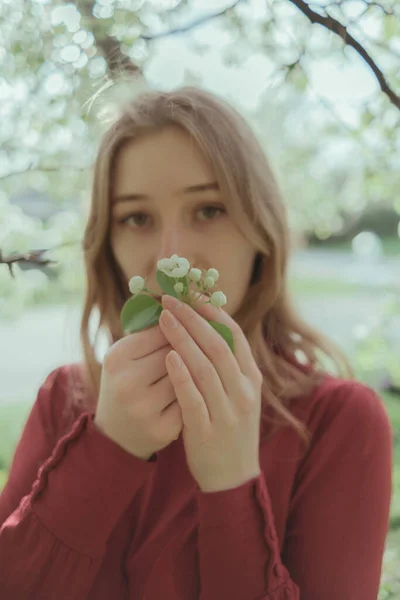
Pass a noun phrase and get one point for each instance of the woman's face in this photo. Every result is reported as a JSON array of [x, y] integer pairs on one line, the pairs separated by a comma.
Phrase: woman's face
[[165, 201]]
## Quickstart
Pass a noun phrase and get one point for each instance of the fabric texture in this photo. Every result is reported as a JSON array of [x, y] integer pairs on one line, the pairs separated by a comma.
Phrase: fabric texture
[[82, 519]]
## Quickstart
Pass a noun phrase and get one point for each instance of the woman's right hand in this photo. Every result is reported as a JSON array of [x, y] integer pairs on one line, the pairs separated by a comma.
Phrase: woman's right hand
[[137, 407]]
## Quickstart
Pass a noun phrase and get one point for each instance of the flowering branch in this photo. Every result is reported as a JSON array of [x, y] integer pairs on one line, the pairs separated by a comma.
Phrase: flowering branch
[[174, 276], [327, 21], [33, 257], [334, 25], [190, 26]]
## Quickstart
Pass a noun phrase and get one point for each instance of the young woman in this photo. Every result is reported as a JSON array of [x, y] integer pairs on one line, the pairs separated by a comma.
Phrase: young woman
[[247, 476]]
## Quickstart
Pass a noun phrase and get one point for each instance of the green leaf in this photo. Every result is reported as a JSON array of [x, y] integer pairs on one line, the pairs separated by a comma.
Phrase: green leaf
[[167, 283], [225, 332], [140, 312]]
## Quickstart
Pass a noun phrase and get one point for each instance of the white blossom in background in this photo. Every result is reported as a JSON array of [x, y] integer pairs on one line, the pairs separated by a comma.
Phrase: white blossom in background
[[136, 284], [218, 299], [61, 235]]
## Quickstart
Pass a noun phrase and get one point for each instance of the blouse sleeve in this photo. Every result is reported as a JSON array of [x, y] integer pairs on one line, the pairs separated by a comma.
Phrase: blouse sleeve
[[61, 502], [337, 522]]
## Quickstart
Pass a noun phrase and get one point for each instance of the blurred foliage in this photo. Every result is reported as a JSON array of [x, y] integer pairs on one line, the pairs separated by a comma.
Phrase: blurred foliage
[[378, 346], [61, 234]]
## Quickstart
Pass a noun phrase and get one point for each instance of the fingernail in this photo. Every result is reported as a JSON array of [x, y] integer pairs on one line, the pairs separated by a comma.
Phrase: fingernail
[[169, 319], [172, 302]]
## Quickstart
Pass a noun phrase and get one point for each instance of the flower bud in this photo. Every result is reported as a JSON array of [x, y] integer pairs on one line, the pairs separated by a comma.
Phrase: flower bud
[[195, 274], [209, 282], [136, 284], [213, 273], [178, 287], [218, 299]]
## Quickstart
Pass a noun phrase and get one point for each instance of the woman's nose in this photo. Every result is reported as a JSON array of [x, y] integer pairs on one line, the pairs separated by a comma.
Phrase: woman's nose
[[174, 241]]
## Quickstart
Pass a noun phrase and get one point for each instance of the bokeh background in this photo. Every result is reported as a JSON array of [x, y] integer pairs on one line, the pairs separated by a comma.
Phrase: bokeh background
[[320, 84]]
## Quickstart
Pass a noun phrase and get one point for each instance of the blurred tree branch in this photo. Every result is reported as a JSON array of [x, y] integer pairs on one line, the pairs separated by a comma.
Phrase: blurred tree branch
[[110, 46], [190, 26], [378, 5], [339, 29], [44, 169], [32, 259], [326, 21]]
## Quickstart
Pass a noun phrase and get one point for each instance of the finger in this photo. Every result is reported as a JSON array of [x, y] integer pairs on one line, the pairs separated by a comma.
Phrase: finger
[[139, 344], [162, 394], [201, 369], [151, 368], [195, 414], [214, 347], [243, 353]]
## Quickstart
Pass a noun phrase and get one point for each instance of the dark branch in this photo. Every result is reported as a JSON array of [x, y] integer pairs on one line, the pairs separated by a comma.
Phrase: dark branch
[[193, 25], [33, 257], [116, 60], [334, 25]]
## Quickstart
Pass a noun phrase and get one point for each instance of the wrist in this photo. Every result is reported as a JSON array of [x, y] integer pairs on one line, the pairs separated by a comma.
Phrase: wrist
[[222, 486]]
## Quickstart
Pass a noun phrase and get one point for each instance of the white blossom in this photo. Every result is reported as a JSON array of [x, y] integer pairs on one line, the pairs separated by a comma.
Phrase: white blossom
[[180, 271], [218, 299], [213, 273], [164, 263], [176, 266], [136, 284], [195, 274]]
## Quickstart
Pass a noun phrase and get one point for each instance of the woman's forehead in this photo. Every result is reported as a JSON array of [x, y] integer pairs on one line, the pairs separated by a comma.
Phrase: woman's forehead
[[168, 159]]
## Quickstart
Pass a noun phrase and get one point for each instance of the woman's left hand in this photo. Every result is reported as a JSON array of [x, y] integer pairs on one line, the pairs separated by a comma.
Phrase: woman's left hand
[[219, 394]]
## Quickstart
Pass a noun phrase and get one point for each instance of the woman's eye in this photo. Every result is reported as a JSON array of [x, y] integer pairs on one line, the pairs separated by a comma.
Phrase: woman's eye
[[211, 209], [139, 220], [134, 216]]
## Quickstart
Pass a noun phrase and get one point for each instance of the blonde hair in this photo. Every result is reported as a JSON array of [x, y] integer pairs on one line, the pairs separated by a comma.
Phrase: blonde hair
[[276, 332]]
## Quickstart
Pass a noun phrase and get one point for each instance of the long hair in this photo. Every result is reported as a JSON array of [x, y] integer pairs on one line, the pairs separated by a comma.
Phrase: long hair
[[291, 354]]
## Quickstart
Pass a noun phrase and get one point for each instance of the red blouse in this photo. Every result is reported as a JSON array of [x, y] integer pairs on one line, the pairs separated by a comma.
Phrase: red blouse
[[82, 519]]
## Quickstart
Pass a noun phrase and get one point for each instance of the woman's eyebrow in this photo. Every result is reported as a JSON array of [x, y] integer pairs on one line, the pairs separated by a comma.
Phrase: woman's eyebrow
[[199, 187]]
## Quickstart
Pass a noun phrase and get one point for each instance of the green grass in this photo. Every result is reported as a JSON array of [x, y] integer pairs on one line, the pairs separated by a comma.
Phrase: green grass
[[3, 478], [311, 286], [12, 419], [392, 404]]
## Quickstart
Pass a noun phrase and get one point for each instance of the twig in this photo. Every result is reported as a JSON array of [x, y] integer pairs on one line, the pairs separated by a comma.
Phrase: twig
[[34, 257], [190, 26], [388, 11], [335, 26], [43, 170]]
